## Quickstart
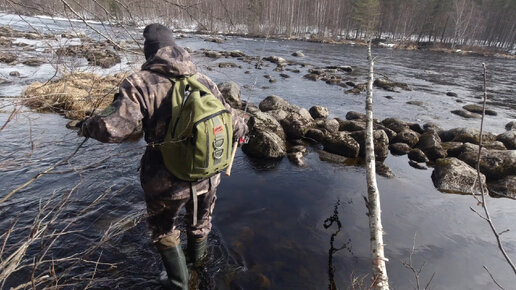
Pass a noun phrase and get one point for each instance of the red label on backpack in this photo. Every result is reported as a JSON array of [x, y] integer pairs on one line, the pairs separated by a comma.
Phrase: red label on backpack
[[218, 130]]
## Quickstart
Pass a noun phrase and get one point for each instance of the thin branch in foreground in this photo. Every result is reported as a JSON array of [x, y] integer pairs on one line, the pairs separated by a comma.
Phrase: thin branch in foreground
[[483, 203]]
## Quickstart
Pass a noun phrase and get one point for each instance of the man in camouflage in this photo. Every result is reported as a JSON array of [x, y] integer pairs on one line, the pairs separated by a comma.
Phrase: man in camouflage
[[144, 102]]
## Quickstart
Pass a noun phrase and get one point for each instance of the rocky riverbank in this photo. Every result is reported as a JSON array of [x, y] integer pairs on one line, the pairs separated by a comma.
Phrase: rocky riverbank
[[279, 129]]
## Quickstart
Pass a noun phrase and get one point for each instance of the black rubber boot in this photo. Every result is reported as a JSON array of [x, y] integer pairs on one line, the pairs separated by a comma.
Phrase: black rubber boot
[[197, 249], [175, 265]]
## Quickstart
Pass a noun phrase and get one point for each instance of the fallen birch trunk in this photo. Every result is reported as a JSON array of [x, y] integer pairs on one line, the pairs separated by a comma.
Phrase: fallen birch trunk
[[381, 280]]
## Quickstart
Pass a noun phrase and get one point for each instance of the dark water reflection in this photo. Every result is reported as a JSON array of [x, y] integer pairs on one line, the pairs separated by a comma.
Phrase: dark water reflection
[[268, 223]]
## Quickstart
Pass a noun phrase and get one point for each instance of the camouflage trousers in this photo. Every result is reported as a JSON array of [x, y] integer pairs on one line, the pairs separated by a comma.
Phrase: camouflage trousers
[[163, 217]]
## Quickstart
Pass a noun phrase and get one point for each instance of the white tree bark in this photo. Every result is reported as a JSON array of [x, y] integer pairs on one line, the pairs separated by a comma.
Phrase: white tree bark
[[381, 280]]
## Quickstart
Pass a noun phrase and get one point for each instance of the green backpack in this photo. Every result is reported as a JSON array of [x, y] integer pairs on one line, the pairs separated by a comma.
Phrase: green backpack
[[198, 142]]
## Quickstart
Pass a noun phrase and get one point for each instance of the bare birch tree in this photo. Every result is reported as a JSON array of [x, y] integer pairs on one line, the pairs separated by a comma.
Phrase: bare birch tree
[[381, 280]]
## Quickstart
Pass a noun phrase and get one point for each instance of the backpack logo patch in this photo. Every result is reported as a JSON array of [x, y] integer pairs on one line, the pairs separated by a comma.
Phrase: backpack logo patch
[[218, 130]]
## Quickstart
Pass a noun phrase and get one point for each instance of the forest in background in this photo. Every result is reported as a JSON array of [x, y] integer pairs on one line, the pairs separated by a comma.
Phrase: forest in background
[[488, 23]]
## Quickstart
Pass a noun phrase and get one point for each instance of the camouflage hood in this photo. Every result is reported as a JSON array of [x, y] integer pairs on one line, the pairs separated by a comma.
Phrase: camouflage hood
[[171, 61]]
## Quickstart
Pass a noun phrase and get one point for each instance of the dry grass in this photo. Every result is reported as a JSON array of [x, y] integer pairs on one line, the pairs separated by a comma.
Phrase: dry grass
[[75, 95]]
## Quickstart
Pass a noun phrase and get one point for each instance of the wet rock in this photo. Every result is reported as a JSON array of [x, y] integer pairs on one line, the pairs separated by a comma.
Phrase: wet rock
[[315, 135], [505, 187], [297, 148], [227, 65], [417, 165], [6, 57], [213, 54], [188, 49], [455, 149], [417, 155], [432, 127], [231, 93], [478, 109], [14, 73], [399, 148], [285, 76], [465, 135], [452, 175], [341, 143], [351, 84], [334, 81], [272, 80], [296, 124], [341, 68], [296, 158], [430, 144], [103, 58], [261, 121], [407, 136], [332, 158], [265, 144], [33, 61], [278, 114], [383, 170], [331, 125], [495, 164], [510, 126], [395, 124], [466, 114], [351, 125], [298, 53], [380, 140], [275, 59], [318, 112], [214, 39], [312, 77], [73, 34], [451, 94], [494, 145], [273, 103], [416, 128], [416, 103], [389, 97], [389, 85], [237, 53], [352, 115], [508, 138]]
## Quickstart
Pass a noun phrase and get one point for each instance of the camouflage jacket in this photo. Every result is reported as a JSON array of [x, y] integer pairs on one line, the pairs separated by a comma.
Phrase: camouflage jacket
[[142, 104]]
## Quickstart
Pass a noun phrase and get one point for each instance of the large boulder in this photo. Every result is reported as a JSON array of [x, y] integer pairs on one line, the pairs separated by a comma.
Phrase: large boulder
[[455, 149], [389, 85], [417, 155], [466, 114], [383, 170], [315, 135], [278, 114], [399, 148], [474, 108], [508, 139], [510, 126], [505, 187], [395, 124], [331, 125], [274, 103], [297, 123], [407, 136], [319, 112], [452, 175], [430, 143], [265, 144], [341, 143], [261, 121], [231, 93], [352, 115], [465, 135], [351, 125], [380, 140], [104, 58], [495, 164]]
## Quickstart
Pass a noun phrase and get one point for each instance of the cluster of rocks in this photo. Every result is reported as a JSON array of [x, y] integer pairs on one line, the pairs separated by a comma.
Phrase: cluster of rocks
[[97, 53], [278, 129]]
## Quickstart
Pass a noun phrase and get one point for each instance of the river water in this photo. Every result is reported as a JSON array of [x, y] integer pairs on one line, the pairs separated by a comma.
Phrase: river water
[[268, 222]]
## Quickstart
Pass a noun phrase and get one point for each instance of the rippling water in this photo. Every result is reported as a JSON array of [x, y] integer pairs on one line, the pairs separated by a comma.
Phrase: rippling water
[[268, 223]]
